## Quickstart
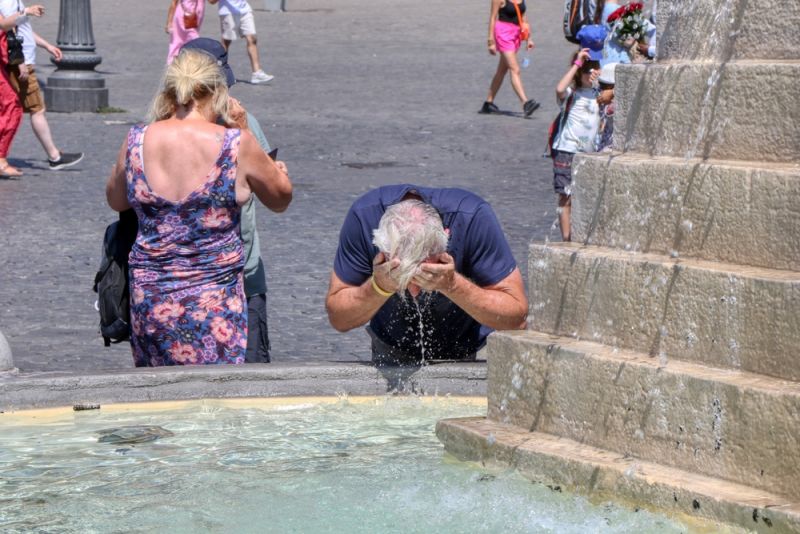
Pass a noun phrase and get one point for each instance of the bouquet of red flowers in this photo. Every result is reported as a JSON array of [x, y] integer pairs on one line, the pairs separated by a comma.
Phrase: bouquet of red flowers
[[627, 22]]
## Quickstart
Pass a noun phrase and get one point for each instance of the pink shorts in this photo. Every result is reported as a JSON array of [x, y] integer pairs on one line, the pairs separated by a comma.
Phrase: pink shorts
[[506, 36]]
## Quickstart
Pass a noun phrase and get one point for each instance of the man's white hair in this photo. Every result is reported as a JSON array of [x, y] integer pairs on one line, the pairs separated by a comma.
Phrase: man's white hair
[[410, 231]]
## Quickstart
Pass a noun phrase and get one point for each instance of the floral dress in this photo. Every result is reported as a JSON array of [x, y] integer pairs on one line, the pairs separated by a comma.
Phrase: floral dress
[[187, 296]]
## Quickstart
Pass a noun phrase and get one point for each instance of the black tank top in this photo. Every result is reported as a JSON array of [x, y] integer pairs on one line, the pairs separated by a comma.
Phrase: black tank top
[[508, 13]]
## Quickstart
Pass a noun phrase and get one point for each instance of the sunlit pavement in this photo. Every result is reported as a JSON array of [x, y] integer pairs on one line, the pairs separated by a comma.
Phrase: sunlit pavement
[[364, 95]]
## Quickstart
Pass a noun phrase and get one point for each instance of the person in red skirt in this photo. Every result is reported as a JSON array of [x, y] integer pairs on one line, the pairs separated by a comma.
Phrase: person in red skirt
[[10, 106]]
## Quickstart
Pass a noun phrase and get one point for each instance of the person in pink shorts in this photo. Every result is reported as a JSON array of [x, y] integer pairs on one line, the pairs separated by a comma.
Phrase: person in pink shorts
[[507, 23]]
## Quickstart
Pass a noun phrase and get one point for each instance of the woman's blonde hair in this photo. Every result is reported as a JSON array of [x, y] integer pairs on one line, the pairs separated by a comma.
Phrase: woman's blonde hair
[[193, 76]]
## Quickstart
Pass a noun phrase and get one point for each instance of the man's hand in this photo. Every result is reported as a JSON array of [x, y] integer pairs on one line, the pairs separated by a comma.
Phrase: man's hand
[[383, 272], [55, 52], [23, 72], [237, 114], [437, 276]]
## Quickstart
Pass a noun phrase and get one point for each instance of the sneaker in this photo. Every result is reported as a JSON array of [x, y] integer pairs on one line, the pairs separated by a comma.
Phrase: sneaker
[[65, 160], [260, 76], [489, 107], [530, 106]]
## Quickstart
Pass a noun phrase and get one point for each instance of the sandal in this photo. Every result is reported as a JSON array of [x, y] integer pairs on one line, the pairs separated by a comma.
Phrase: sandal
[[7, 171]]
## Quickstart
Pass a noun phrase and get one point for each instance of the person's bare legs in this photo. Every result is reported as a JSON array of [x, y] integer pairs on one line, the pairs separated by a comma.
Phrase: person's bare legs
[[564, 211], [226, 43], [516, 79], [252, 51], [42, 131], [497, 81]]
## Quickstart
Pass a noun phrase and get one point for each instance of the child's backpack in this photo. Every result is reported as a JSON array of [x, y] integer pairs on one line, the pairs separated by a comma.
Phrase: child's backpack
[[558, 124], [579, 13], [111, 281]]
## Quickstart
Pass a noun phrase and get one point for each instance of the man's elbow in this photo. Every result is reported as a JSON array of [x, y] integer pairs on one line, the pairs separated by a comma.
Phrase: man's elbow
[[337, 319]]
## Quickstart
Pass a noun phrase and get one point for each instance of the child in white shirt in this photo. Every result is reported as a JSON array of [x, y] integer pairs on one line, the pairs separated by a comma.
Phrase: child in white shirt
[[578, 129]]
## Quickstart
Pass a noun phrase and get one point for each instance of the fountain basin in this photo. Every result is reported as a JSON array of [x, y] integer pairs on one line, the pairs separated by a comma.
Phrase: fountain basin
[[279, 465]]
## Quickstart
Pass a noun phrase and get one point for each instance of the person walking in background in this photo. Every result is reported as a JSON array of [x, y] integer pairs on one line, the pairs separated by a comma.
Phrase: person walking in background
[[236, 20], [10, 106], [255, 280], [184, 19], [579, 124], [23, 80], [508, 27], [187, 295]]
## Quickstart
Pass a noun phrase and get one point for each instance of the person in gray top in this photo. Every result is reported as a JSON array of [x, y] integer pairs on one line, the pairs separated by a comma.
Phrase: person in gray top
[[255, 282]]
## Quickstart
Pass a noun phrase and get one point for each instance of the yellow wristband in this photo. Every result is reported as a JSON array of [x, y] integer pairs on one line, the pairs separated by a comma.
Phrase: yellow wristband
[[378, 289]]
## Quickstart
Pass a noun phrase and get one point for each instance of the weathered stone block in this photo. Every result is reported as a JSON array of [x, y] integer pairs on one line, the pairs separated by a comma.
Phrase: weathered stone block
[[726, 316], [602, 475], [737, 111], [722, 30], [682, 415], [689, 208]]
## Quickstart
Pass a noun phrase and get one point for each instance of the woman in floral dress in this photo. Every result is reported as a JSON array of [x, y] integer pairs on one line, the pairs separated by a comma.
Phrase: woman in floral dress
[[187, 177]]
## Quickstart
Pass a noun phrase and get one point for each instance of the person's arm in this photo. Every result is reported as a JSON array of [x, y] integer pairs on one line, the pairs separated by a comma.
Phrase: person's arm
[[52, 50], [117, 187], [493, 11], [566, 81], [502, 306], [531, 45], [268, 181], [170, 16], [12, 20], [350, 306]]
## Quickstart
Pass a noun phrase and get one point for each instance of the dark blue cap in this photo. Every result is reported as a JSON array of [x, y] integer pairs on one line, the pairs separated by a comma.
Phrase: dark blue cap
[[217, 51], [593, 37]]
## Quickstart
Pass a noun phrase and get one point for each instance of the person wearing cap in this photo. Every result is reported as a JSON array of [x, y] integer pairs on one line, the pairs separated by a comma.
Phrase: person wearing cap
[[186, 266], [507, 22], [430, 270], [255, 281], [578, 100], [236, 21]]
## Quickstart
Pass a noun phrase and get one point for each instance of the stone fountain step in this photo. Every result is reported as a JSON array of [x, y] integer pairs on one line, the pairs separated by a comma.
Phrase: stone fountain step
[[719, 314], [713, 210], [727, 29], [606, 475], [705, 420], [742, 110]]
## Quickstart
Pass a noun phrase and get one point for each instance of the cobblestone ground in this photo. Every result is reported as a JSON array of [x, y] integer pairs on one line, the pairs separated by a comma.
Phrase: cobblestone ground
[[364, 95]]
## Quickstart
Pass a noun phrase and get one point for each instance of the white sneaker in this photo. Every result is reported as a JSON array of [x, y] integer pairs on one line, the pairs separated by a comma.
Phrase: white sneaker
[[260, 76]]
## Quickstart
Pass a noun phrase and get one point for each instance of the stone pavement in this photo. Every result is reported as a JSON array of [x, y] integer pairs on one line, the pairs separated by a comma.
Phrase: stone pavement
[[365, 94]]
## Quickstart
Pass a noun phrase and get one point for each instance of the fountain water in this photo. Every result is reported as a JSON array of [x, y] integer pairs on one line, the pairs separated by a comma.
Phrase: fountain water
[[660, 364]]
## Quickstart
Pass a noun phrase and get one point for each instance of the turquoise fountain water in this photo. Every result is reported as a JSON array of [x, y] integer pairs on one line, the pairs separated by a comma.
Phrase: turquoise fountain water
[[346, 466]]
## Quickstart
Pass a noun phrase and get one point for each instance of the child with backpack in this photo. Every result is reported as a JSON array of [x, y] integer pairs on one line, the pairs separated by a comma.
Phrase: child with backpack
[[577, 125]]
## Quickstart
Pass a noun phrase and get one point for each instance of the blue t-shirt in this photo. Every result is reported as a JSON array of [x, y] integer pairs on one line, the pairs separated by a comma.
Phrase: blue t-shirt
[[477, 245]]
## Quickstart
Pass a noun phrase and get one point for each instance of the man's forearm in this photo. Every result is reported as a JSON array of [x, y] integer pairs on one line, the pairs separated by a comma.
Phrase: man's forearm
[[495, 308], [353, 306]]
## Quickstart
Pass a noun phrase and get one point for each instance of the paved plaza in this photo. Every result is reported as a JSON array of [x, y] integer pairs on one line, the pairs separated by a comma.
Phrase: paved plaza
[[365, 94]]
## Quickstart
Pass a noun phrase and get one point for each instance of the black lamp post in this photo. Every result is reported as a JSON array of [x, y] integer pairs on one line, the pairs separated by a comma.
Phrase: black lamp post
[[75, 86]]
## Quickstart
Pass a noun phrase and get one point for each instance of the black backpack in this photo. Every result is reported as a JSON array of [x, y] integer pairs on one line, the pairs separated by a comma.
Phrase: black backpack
[[111, 281], [579, 13]]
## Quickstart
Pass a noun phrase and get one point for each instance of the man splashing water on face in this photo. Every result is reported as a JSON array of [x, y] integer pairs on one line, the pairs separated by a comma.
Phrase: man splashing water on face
[[429, 269]]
